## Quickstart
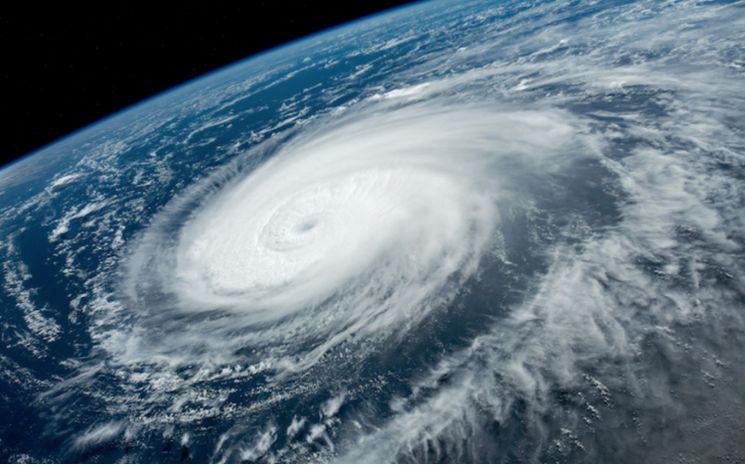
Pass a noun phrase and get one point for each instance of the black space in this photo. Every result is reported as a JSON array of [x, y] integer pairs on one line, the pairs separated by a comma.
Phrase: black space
[[64, 67]]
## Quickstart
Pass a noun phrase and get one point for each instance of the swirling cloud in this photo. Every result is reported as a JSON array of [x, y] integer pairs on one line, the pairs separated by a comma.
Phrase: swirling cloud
[[356, 228]]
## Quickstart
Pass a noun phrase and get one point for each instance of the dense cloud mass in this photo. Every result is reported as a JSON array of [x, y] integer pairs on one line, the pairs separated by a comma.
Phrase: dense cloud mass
[[457, 232], [354, 230]]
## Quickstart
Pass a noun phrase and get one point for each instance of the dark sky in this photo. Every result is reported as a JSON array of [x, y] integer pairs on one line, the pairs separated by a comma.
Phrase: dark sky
[[63, 67]]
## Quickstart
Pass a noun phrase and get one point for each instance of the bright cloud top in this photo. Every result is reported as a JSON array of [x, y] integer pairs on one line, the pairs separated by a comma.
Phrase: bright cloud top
[[357, 228]]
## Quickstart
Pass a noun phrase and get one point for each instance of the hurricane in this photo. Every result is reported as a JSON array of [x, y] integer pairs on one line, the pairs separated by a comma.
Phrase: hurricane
[[455, 232], [356, 229]]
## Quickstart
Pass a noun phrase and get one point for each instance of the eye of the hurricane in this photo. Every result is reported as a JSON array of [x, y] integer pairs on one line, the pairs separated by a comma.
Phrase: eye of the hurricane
[[307, 225]]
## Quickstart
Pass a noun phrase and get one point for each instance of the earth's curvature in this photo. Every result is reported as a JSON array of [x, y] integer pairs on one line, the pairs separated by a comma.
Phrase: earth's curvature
[[453, 232]]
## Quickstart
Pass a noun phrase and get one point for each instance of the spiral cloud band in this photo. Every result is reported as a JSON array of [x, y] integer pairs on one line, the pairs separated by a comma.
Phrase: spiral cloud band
[[355, 230]]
